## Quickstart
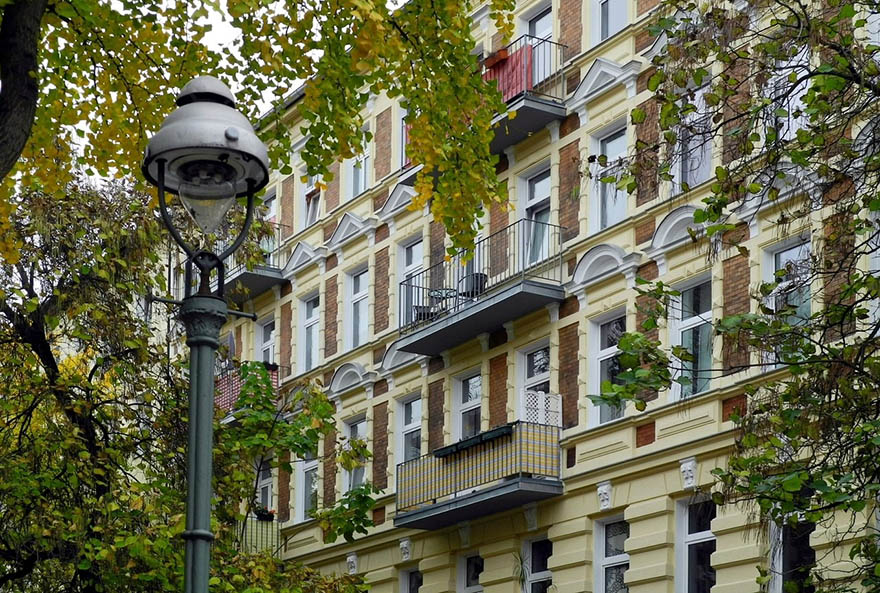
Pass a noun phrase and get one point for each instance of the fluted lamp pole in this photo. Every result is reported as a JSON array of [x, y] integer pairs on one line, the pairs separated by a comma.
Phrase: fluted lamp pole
[[207, 154]]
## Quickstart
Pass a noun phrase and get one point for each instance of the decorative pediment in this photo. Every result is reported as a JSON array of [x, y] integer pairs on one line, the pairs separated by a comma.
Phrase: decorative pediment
[[350, 375], [401, 197], [672, 232], [788, 180], [603, 76], [303, 255], [602, 262], [395, 358], [350, 227]]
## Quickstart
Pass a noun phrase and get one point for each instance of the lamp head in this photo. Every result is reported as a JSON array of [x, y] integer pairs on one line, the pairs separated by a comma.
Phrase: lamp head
[[210, 152]]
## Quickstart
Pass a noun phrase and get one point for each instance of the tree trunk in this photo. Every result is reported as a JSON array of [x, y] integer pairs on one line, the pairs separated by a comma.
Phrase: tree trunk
[[19, 39]]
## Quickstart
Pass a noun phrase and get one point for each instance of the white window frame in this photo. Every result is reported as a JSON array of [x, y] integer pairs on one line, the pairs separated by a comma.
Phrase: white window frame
[[404, 137], [359, 168], [701, 118], [406, 429], [349, 475], [358, 299], [406, 272], [270, 201], [535, 577], [304, 466], [462, 574], [597, 34], [527, 383], [612, 167], [404, 579], [769, 275], [265, 482], [262, 346], [777, 549], [534, 204], [779, 85], [459, 409], [596, 356], [601, 561], [305, 324], [678, 326], [683, 540]]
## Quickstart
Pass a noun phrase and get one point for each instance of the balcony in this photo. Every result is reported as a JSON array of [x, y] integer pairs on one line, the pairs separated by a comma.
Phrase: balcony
[[255, 537], [241, 283], [501, 469], [514, 271], [227, 382], [530, 77]]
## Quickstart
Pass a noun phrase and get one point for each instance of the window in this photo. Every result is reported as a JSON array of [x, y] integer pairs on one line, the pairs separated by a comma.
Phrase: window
[[410, 581], [540, 32], [537, 556], [470, 392], [791, 268], [309, 308], [264, 484], [692, 161], [358, 307], [693, 319], [404, 138], [612, 201], [411, 428], [308, 487], [792, 557], [470, 568], [612, 17], [360, 167], [356, 431], [266, 340], [413, 298], [787, 108], [695, 542], [538, 215], [226, 353], [269, 202], [538, 404], [311, 200], [612, 561], [606, 335]]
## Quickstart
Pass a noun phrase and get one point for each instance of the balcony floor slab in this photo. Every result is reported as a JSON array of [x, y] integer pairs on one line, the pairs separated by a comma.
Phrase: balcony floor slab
[[256, 281], [533, 113]]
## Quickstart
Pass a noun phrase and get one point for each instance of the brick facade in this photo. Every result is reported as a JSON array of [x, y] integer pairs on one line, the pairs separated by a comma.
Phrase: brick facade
[[284, 336], [734, 144], [735, 296], [382, 138], [380, 445], [283, 503], [435, 414], [645, 434], [331, 313], [331, 194], [647, 151], [568, 374], [644, 231], [238, 342], [569, 189], [498, 390], [382, 296], [286, 204], [643, 6], [570, 28], [330, 469], [569, 306], [733, 404]]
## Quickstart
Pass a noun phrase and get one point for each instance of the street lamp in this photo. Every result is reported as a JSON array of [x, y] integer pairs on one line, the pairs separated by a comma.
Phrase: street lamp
[[206, 153]]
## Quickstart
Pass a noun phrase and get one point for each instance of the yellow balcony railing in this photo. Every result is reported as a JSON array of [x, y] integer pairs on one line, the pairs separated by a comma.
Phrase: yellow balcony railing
[[518, 449]]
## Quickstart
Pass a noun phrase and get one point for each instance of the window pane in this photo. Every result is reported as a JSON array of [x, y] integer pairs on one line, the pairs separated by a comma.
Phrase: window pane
[[412, 411], [541, 26], [357, 477], [608, 413], [700, 515], [613, 146], [414, 581], [697, 341], [611, 331], [609, 370], [696, 300], [541, 586], [701, 575], [473, 569], [539, 187], [538, 362], [471, 389], [614, 579], [310, 491], [615, 536], [541, 552], [412, 444], [312, 308], [794, 261], [470, 423], [310, 346], [268, 329], [604, 19], [266, 496], [413, 254], [356, 323]]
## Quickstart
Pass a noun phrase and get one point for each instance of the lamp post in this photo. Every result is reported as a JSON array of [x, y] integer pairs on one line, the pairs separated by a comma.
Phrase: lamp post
[[207, 153]]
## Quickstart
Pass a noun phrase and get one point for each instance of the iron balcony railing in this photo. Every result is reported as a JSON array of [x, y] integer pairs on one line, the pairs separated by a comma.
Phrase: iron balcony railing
[[518, 449], [526, 249], [254, 536], [528, 65], [228, 380]]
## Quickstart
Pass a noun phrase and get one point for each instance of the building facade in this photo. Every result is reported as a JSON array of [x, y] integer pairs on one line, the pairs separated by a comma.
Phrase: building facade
[[470, 379]]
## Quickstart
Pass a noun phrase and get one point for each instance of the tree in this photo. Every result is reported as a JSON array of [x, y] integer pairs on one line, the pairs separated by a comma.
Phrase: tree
[[787, 93], [92, 437], [96, 78]]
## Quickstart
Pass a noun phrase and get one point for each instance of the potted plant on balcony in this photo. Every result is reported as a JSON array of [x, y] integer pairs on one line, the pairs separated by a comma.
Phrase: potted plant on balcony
[[262, 513]]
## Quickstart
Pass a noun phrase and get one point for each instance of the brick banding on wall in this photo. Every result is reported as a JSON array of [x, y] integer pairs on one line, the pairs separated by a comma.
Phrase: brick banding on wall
[[646, 160], [382, 139], [645, 434], [569, 189], [331, 194], [381, 295], [568, 374], [733, 404], [380, 445], [331, 312], [330, 469], [570, 27], [435, 414], [498, 390], [286, 328], [286, 203], [735, 295], [645, 231], [284, 489]]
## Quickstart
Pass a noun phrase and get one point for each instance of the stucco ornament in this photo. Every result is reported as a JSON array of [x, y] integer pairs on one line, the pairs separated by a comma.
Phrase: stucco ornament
[[603, 492], [351, 563], [405, 549], [688, 473]]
